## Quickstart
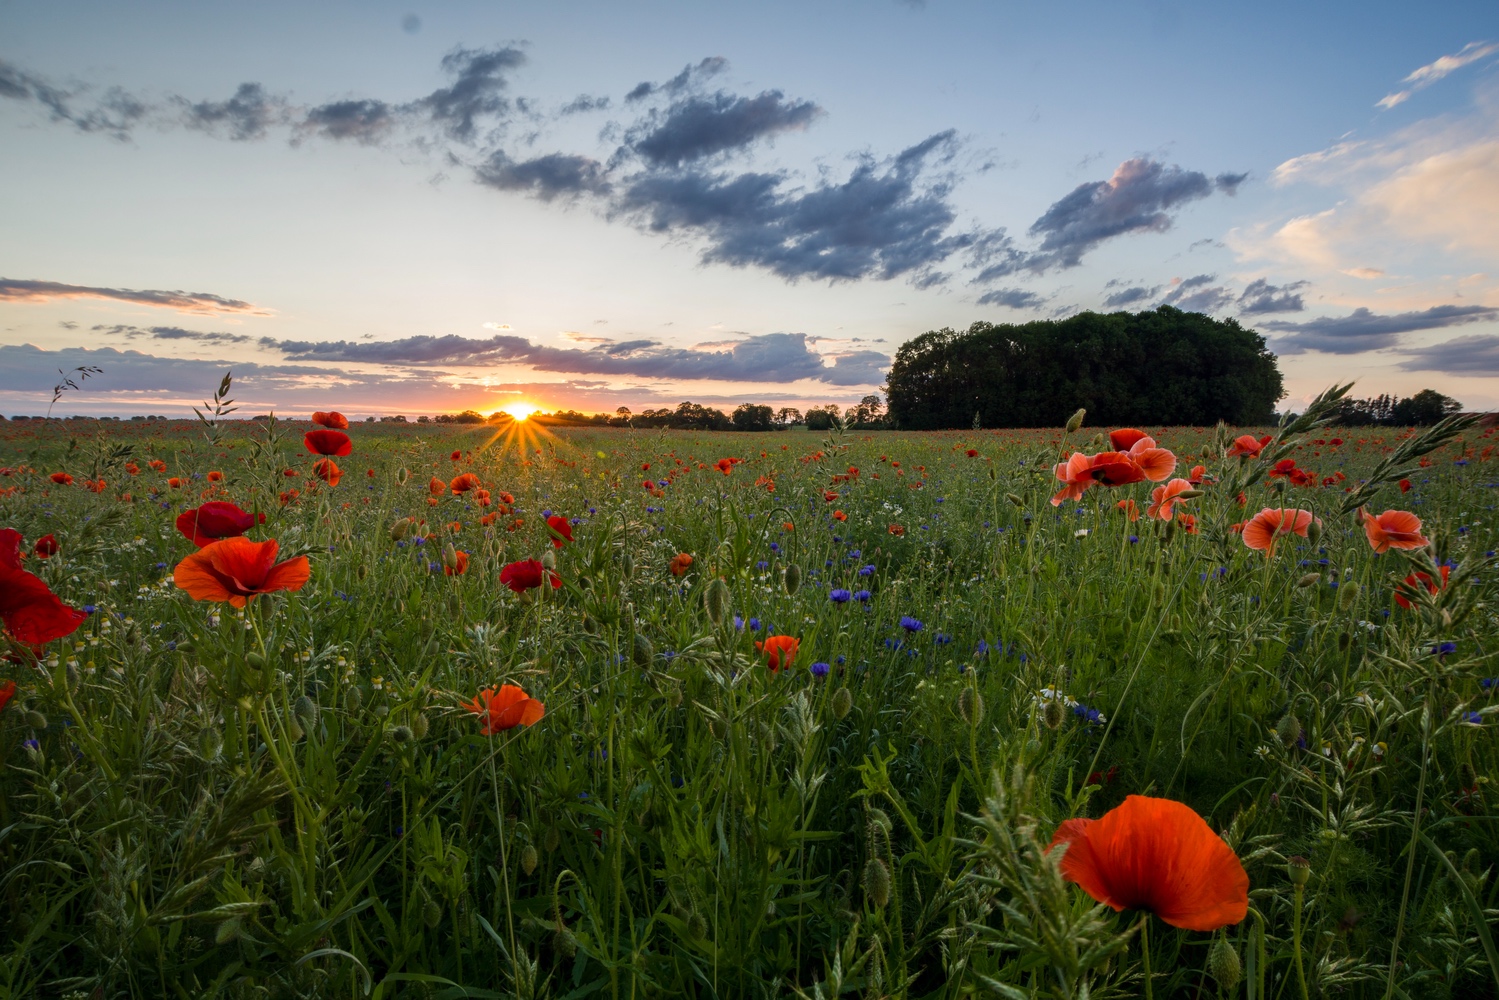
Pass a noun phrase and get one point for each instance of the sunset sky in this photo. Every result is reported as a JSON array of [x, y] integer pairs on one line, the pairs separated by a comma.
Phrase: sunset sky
[[422, 208]]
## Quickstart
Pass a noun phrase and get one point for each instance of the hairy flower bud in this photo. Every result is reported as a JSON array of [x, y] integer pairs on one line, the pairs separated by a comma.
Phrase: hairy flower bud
[[1076, 420], [1053, 713], [400, 528], [431, 914], [843, 702], [793, 579], [1308, 580], [528, 859], [1288, 729], [306, 711], [564, 943], [642, 650], [877, 882], [1347, 594], [1224, 965], [1014, 500], [549, 559], [627, 564], [971, 706], [353, 699], [401, 734], [36, 720], [716, 600], [1314, 532], [420, 725]]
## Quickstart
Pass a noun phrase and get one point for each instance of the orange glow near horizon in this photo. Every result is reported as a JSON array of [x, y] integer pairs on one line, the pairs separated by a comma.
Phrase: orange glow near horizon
[[520, 410]]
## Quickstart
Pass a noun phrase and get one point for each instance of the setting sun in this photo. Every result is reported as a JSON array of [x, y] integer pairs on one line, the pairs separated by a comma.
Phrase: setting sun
[[520, 411]]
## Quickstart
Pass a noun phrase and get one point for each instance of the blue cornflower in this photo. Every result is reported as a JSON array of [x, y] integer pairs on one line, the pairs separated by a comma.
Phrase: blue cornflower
[[840, 659], [854, 553], [941, 500], [738, 623], [762, 564], [840, 596], [161, 565], [866, 571], [910, 624], [419, 540], [662, 483], [981, 648], [546, 512], [775, 546], [943, 638], [1488, 682], [893, 644], [1473, 718], [754, 624], [1133, 539], [1088, 715], [32, 744], [820, 669], [434, 567], [1442, 649], [576, 521], [89, 609], [863, 596], [592, 510]]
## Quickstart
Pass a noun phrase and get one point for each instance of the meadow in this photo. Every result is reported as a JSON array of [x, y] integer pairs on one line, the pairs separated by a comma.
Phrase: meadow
[[301, 796]]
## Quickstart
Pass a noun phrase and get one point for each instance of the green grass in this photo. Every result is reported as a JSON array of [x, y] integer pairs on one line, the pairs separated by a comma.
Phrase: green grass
[[292, 801]]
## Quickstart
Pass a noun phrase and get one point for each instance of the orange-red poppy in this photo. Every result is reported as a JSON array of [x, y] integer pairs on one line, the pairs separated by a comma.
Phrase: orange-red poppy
[[463, 483], [1394, 529], [1156, 463], [562, 532], [234, 569], [1415, 580], [1164, 498], [28, 608], [46, 546], [724, 465], [897, 530], [1405, 486], [972, 453], [1261, 531], [456, 455], [779, 651], [1114, 468], [458, 567], [1125, 438], [1074, 473], [328, 471], [332, 419], [175, 483], [215, 520], [1188, 522], [157, 465], [215, 477], [527, 574], [1199, 475], [335, 443], [1160, 856], [1130, 509], [132, 469], [505, 709], [1248, 445], [679, 564], [838, 515], [62, 479]]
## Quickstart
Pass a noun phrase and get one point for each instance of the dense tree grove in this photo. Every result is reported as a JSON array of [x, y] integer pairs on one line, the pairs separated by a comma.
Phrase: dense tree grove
[[1150, 368], [1423, 409]]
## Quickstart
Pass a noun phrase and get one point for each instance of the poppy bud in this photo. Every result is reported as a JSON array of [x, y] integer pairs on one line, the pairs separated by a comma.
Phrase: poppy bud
[[1299, 870], [793, 579], [353, 699], [1076, 420], [184, 647], [565, 944], [627, 564], [971, 706], [401, 734], [305, 709], [1288, 729], [1314, 531], [1053, 713], [294, 729], [1471, 860], [1224, 965], [420, 725], [401, 476], [400, 528], [716, 600], [36, 720], [644, 652], [1160, 592], [881, 819], [528, 859], [548, 559], [843, 702], [228, 931], [1032, 747], [552, 839], [1309, 580], [255, 660], [432, 914], [1347, 594], [450, 556], [210, 742], [1344, 641], [362, 572], [877, 882], [1014, 500], [1189, 494]]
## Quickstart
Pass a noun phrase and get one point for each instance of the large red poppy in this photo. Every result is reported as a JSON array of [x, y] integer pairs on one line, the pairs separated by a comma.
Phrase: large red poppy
[[505, 709], [1075, 477], [1156, 855], [562, 531], [331, 419], [779, 651], [328, 471], [215, 520], [335, 443], [526, 575], [46, 547], [1262, 530], [1394, 529], [1125, 438], [234, 569], [1248, 445], [463, 483], [29, 609], [1114, 468], [1164, 498]]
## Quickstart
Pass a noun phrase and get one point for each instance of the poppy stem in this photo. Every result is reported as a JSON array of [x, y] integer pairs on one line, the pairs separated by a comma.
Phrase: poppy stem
[[499, 818], [1300, 892], [1145, 954]]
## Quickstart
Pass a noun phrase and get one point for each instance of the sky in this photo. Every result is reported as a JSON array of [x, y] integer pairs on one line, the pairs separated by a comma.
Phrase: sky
[[422, 208]]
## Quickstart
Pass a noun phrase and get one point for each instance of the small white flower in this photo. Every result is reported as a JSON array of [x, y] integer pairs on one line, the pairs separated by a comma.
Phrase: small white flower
[[1080, 533]]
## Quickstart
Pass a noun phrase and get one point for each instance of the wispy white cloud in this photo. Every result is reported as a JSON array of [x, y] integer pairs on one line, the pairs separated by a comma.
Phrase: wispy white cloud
[[1434, 71]]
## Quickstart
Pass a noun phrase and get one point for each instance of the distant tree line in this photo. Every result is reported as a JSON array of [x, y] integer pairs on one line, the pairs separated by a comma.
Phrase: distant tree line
[[1426, 407], [869, 413], [1163, 366]]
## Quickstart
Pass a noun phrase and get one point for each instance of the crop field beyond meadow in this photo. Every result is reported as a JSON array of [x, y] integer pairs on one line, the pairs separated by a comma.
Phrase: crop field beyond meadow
[[799, 723]]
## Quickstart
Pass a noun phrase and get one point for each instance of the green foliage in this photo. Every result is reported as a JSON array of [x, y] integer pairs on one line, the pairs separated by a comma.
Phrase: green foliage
[[1423, 409]]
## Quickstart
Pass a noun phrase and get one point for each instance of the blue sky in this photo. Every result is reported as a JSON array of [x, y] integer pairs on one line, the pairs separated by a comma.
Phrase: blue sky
[[409, 208]]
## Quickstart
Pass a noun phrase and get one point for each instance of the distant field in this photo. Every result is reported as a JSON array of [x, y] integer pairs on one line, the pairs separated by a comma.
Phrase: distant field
[[292, 799]]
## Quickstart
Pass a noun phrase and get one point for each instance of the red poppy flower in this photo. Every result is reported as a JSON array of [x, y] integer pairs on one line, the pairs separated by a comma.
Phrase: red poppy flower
[[175, 483], [1248, 445], [1261, 531], [1416, 580], [62, 479], [1129, 508], [505, 709], [132, 469], [335, 443], [679, 564], [1199, 475], [1164, 498], [46, 546], [526, 575], [1405, 486], [215, 477], [234, 569], [897, 530], [506, 498], [215, 520], [332, 419], [29, 609], [1114, 468], [7, 692], [972, 453], [463, 483], [1156, 855], [157, 465], [1156, 463], [838, 515], [1075, 475], [1125, 438], [563, 531], [1188, 523], [779, 651], [1394, 529], [724, 465], [829, 496], [456, 455], [458, 567], [1284, 467], [328, 471]]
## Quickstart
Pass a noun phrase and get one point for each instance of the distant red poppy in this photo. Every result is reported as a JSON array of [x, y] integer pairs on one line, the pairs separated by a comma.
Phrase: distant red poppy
[[563, 532], [1394, 529], [506, 498], [157, 465], [1156, 855], [838, 515], [972, 453], [1411, 583], [331, 419], [897, 530], [215, 520], [458, 567], [234, 569], [1130, 509], [679, 564], [723, 465], [29, 609], [62, 479], [7, 692], [463, 483], [132, 469], [46, 546], [335, 443], [1405, 486], [456, 455], [1284, 467], [1262, 530], [829, 496], [1164, 498], [436, 486], [328, 471], [1248, 445], [175, 483], [505, 709], [779, 651], [526, 575], [215, 477]]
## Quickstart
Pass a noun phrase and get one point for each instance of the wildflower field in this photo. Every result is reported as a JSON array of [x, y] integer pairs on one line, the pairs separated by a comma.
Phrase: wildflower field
[[297, 710]]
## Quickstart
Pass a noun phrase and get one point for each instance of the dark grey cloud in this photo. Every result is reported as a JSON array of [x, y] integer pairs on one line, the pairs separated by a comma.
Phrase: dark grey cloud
[[544, 177], [692, 74], [1363, 330], [772, 357], [1198, 294], [16, 290], [173, 333], [477, 92], [1013, 298], [584, 103], [114, 112], [364, 121], [1473, 354], [1261, 297], [1130, 296], [1229, 183], [701, 126], [246, 115]]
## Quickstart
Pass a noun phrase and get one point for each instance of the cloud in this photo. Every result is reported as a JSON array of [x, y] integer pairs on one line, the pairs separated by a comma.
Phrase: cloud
[[1259, 296], [114, 113], [12, 290], [477, 89], [1363, 330], [583, 103], [1012, 298], [1474, 354], [1434, 71], [245, 116], [1229, 183], [173, 333], [701, 126], [1197, 294], [1130, 296], [773, 357], [691, 75], [364, 121], [543, 177]]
